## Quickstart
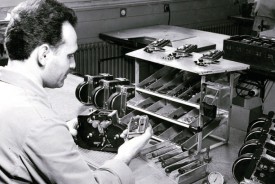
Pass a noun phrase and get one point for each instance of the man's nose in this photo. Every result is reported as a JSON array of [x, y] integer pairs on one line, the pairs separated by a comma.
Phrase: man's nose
[[72, 64]]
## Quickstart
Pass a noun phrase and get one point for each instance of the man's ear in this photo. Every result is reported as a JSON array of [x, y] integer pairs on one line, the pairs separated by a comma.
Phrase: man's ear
[[42, 54]]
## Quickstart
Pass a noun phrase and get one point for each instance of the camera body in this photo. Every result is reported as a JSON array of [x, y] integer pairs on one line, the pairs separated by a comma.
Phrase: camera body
[[99, 130]]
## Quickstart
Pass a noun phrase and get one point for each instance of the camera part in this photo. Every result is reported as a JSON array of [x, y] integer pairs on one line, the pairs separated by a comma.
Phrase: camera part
[[137, 125], [99, 130], [84, 90]]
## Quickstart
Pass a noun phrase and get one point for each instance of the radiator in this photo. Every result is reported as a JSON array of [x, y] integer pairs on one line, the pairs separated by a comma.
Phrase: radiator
[[224, 28], [102, 57]]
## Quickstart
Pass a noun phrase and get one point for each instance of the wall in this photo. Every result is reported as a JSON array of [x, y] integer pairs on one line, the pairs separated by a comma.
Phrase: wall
[[188, 13], [104, 16], [7, 5]]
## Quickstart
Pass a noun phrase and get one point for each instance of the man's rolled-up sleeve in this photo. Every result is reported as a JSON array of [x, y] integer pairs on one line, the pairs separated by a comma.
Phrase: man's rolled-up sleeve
[[120, 169]]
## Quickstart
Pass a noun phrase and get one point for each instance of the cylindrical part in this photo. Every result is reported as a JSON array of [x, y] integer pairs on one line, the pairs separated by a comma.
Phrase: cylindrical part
[[174, 159], [162, 151], [170, 154], [189, 167], [171, 168]]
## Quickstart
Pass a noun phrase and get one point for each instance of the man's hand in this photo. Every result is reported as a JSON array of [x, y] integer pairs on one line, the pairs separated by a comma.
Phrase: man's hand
[[128, 150], [73, 125]]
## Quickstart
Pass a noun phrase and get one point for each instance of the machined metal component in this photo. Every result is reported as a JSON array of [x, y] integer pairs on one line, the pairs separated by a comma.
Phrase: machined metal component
[[84, 90], [137, 125], [101, 94], [99, 130]]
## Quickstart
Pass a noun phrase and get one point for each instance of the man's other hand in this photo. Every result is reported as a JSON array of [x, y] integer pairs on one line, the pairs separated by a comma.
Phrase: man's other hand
[[73, 125], [128, 150]]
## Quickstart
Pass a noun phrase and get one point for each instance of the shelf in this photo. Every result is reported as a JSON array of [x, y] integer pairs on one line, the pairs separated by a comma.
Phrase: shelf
[[187, 63], [159, 116], [158, 139], [200, 97], [187, 103], [207, 131], [173, 99], [241, 19]]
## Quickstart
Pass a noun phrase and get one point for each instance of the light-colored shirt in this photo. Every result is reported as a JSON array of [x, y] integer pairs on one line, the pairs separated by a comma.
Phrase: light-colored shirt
[[35, 144], [265, 14]]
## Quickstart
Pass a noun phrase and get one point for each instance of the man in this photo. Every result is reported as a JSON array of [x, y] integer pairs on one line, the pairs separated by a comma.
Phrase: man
[[264, 15], [35, 144]]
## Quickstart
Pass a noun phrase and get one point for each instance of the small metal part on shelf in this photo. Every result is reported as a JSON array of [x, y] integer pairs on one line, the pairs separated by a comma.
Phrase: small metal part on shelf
[[211, 57], [187, 48], [157, 46], [182, 51]]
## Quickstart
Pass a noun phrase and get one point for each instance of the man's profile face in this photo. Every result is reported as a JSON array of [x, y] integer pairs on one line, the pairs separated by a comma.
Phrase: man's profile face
[[61, 60]]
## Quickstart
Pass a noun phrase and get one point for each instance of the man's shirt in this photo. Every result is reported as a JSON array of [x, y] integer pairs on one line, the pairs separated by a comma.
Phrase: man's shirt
[[35, 144]]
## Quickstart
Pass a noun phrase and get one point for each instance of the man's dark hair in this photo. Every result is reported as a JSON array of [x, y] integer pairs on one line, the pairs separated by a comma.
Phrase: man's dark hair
[[33, 23]]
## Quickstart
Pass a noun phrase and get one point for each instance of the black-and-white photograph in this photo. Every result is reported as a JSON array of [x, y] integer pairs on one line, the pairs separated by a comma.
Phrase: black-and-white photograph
[[137, 91]]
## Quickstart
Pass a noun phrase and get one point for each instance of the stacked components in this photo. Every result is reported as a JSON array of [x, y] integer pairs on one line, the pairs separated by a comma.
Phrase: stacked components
[[256, 51], [84, 90], [256, 161], [105, 92], [100, 128]]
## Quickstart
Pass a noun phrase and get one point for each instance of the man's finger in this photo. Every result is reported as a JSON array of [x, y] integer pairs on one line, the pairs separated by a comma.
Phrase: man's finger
[[124, 134]]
